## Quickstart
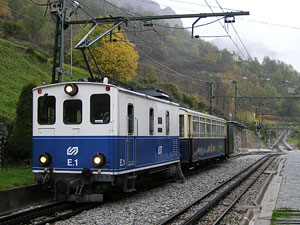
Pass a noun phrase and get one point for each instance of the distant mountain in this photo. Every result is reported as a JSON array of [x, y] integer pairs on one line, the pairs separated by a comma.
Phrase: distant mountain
[[147, 7]]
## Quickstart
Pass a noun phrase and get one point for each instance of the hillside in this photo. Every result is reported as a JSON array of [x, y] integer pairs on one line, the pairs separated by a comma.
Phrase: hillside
[[168, 59], [20, 66]]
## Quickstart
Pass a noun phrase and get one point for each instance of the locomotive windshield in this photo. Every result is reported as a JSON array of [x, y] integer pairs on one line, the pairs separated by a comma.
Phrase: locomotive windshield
[[100, 109], [72, 111], [46, 110]]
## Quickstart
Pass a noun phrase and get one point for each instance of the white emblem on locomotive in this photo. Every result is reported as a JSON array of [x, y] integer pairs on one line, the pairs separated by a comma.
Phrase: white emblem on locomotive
[[72, 151]]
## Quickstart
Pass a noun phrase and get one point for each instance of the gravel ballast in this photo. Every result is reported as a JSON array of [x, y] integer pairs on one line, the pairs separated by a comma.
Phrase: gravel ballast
[[155, 205]]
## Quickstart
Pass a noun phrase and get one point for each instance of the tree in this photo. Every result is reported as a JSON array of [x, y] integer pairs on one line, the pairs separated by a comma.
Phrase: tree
[[20, 143], [116, 58], [5, 13]]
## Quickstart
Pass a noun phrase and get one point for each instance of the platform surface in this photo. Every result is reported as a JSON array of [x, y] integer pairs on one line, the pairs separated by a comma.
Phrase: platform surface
[[289, 193]]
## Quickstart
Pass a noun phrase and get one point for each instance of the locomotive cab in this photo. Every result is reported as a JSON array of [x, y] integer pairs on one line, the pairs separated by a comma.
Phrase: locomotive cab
[[91, 138]]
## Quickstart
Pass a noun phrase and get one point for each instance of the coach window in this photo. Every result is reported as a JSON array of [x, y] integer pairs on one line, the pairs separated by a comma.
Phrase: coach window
[[100, 109], [130, 115], [72, 111], [195, 126], [202, 127], [46, 110], [167, 123], [151, 121], [222, 130], [208, 128], [181, 125], [218, 129], [214, 130]]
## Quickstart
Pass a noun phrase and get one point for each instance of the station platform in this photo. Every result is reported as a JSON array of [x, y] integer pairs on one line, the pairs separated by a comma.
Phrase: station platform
[[284, 190], [289, 194]]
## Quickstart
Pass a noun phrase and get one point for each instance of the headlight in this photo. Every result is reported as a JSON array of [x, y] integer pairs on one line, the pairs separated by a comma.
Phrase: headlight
[[45, 159], [99, 160], [71, 89]]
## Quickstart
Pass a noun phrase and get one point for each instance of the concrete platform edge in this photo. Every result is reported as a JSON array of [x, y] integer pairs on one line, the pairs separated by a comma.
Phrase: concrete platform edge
[[18, 198]]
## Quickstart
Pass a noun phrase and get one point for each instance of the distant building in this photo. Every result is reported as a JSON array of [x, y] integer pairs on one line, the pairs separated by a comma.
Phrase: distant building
[[236, 58], [291, 90]]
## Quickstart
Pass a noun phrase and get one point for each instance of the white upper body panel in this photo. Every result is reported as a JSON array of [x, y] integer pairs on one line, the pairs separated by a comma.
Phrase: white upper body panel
[[119, 99]]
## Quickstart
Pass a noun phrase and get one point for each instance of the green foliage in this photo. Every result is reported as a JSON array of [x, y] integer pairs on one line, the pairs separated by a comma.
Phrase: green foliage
[[278, 216], [11, 28], [171, 47], [20, 143], [19, 66]]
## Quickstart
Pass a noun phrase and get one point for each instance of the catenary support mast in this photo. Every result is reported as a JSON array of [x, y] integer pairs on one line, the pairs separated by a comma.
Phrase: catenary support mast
[[58, 11]]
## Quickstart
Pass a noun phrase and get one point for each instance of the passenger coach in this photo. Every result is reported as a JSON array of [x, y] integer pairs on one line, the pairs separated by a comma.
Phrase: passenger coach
[[91, 137], [202, 137]]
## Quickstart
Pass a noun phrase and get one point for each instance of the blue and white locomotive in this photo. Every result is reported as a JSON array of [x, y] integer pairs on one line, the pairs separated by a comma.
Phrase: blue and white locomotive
[[93, 138], [90, 138]]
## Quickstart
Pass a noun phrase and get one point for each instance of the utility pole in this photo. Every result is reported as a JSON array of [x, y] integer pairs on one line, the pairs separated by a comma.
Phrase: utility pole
[[58, 10], [235, 95], [210, 97]]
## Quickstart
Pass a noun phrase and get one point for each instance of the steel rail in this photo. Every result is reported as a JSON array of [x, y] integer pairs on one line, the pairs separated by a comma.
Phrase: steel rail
[[219, 219], [28, 215], [198, 215], [74, 212], [180, 212]]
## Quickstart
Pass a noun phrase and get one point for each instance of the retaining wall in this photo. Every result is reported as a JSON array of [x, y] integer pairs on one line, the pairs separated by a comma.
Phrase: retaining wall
[[245, 139]]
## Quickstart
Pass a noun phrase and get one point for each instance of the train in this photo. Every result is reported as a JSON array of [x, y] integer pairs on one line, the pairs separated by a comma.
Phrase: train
[[91, 139]]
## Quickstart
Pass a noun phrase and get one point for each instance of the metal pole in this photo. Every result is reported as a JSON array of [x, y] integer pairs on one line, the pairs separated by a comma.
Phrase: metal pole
[[62, 40], [210, 97], [235, 95]]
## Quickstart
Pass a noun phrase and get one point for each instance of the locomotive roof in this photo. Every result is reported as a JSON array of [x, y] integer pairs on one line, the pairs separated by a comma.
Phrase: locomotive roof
[[202, 114], [111, 85]]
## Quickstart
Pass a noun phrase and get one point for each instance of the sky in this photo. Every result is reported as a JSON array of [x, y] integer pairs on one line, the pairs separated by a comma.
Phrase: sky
[[272, 28]]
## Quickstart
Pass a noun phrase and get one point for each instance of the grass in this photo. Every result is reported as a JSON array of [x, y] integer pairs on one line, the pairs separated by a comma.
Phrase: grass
[[284, 213], [20, 66], [11, 177]]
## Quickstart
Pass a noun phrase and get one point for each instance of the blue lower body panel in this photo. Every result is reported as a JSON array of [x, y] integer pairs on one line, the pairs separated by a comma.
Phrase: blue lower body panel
[[123, 154], [194, 150]]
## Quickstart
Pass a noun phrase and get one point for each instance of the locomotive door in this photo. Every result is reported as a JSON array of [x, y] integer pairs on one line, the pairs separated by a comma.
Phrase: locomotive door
[[130, 140]]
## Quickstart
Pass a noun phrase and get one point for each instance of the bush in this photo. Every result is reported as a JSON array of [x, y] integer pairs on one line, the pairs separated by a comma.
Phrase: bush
[[20, 143], [11, 28], [35, 54]]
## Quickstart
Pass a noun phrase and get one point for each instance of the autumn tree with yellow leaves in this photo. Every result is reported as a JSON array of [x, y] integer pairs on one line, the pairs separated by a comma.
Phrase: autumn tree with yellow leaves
[[114, 54]]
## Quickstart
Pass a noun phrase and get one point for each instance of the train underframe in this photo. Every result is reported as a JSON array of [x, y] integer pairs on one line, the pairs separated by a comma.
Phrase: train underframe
[[89, 187]]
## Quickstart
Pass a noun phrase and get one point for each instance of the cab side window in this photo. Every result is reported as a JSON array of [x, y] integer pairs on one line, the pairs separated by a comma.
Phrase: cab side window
[[100, 109], [151, 121], [130, 115], [167, 123], [46, 110]]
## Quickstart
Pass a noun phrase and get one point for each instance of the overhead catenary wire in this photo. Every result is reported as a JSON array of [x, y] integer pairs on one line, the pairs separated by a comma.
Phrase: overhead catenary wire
[[160, 64], [147, 56], [240, 51], [41, 4], [249, 56]]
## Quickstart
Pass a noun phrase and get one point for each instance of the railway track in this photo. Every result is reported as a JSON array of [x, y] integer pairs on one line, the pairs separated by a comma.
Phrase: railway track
[[204, 210], [49, 213]]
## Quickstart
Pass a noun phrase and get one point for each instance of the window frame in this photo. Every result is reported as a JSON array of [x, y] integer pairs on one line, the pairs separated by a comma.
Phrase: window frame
[[64, 112], [181, 125], [167, 122], [92, 119], [151, 121], [39, 110], [130, 122]]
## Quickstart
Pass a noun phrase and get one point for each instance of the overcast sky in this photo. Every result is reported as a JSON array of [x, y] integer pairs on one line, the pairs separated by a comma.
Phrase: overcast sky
[[272, 28]]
